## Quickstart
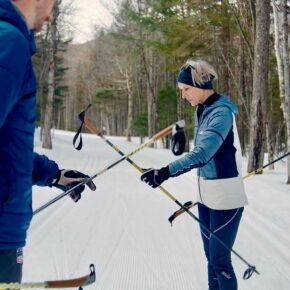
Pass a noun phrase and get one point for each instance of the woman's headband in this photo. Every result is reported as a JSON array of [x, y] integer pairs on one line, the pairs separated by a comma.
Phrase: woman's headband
[[185, 77]]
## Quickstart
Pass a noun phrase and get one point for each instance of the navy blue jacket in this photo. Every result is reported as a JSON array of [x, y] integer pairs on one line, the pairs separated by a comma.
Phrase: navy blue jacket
[[20, 167]]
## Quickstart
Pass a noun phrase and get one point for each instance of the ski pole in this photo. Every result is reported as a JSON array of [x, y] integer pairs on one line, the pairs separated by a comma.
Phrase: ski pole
[[266, 165], [157, 136], [70, 283], [60, 196], [248, 272]]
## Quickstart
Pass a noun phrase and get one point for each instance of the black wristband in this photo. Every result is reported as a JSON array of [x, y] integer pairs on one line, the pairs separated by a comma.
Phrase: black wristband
[[164, 173]]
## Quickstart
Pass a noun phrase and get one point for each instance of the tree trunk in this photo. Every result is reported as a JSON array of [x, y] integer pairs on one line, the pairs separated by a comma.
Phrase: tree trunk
[[260, 86], [242, 91], [49, 108], [286, 106], [270, 144], [130, 109], [51, 88], [151, 100], [281, 28]]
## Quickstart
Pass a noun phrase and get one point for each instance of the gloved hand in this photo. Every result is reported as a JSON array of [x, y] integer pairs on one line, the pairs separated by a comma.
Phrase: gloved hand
[[66, 179], [155, 177]]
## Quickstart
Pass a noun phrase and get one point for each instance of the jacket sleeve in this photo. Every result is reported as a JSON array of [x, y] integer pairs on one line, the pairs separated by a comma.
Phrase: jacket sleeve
[[44, 170], [13, 61], [207, 144]]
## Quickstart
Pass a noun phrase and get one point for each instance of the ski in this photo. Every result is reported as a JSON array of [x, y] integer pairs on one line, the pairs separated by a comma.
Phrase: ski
[[70, 283]]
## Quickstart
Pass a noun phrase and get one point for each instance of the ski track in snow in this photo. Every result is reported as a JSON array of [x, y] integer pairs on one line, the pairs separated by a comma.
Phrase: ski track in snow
[[123, 229]]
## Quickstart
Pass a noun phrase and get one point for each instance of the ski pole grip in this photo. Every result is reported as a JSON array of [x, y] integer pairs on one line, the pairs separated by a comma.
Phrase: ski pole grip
[[90, 126], [163, 133]]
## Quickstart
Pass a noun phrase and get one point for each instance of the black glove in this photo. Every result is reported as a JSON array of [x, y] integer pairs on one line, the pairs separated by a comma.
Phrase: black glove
[[155, 177], [178, 140], [66, 179]]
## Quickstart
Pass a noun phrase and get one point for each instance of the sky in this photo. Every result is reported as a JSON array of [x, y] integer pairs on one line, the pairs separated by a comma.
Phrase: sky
[[122, 227], [87, 14]]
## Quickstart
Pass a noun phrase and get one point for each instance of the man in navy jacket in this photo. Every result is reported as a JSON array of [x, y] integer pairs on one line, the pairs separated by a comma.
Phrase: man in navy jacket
[[20, 167]]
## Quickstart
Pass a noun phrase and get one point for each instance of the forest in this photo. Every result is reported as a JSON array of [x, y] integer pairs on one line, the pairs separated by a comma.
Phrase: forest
[[128, 71]]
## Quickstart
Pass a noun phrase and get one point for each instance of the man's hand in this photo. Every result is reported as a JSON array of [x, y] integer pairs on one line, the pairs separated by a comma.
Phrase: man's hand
[[155, 177], [67, 179]]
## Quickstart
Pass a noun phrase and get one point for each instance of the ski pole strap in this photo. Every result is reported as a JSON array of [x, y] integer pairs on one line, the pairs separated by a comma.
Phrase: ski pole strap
[[188, 205], [249, 272], [70, 283], [78, 134]]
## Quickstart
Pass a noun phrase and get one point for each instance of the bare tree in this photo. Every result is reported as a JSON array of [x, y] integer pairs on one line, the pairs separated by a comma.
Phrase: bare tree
[[260, 86], [281, 28], [51, 79]]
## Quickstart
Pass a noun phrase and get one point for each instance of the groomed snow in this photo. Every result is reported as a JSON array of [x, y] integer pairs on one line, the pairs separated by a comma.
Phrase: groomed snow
[[122, 227]]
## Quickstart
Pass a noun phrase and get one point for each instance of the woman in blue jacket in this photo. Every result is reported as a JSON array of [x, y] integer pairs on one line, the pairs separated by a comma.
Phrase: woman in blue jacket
[[217, 155], [20, 167]]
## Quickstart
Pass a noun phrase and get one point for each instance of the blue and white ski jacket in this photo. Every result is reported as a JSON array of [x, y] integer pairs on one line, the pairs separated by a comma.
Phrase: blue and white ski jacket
[[20, 167], [216, 154]]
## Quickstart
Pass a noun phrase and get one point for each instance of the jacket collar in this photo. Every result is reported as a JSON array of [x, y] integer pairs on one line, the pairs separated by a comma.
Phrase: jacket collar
[[211, 99]]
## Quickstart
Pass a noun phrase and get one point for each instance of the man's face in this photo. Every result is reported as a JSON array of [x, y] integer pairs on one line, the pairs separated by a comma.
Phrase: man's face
[[43, 13], [193, 95]]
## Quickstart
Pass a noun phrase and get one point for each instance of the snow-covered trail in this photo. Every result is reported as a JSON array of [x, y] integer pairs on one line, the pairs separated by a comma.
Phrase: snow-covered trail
[[122, 227]]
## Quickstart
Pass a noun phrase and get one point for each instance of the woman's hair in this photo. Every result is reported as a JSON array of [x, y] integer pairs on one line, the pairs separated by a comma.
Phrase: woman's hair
[[201, 71]]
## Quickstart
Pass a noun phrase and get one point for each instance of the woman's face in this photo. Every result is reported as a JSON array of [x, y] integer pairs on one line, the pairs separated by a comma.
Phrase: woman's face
[[193, 95]]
